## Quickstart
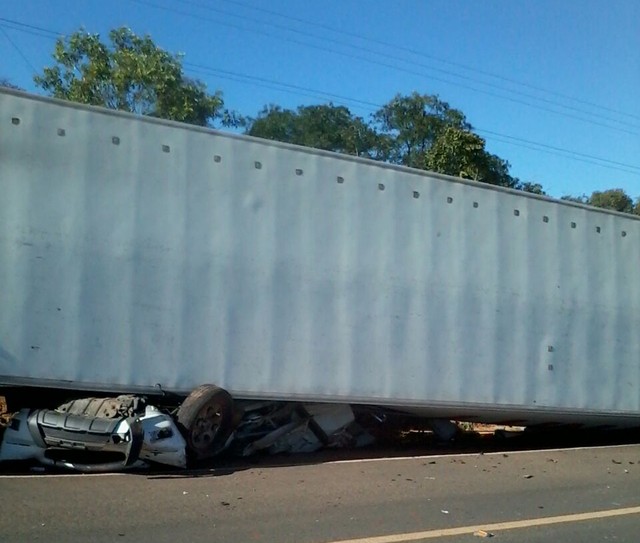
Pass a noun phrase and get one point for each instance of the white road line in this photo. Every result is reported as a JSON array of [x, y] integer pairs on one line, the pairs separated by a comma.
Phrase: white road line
[[302, 463], [63, 475], [498, 526], [475, 454]]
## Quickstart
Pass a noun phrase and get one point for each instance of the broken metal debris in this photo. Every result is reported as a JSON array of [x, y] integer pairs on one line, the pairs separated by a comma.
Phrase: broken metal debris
[[482, 533], [126, 432], [67, 438]]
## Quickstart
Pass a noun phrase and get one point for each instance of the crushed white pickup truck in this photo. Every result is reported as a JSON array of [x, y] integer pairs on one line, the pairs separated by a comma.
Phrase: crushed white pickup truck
[[141, 258]]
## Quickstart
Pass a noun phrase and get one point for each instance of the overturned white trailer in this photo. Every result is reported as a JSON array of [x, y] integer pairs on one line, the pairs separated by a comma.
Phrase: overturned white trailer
[[139, 254]]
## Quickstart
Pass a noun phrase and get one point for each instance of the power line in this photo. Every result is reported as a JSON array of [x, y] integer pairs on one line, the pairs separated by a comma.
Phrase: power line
[[379, 63], [15, 46], [396, 58], [383, 64], [511, 140], [560, 149], [300, 90], [565, 153], [425, 55], [294, 88], [29, 29]]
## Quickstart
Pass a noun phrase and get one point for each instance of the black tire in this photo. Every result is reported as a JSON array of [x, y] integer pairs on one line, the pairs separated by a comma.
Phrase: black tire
[[205, 418]]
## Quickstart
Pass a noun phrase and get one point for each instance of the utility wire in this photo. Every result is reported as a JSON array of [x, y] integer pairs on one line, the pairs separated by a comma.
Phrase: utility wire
[[504, 138], [559, 149], [370, 105], [425, 55], [565, 153], [384, 64], [396, 59], [15, 46], [299, 90], [381, 63], [29, 29]]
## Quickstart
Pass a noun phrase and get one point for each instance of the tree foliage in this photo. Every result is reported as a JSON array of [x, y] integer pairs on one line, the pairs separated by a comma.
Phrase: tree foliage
[[614, 199], [412, 124], [417, 130], [457, 152], [130, 73], [328, 127], [583, 199], [4, 82], [531, 187], [462, 153]]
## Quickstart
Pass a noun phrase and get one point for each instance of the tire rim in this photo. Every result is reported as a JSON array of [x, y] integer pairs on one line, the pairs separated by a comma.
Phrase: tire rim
[[206, 427]]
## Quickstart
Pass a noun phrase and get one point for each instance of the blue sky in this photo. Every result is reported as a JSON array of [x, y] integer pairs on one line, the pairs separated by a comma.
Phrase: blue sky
[[552, 86]]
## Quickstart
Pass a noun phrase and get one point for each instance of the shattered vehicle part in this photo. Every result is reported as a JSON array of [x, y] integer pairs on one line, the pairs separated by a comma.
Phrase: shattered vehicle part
[[62, 438], [124, 432], [107, 408], [445, 430], [321, 422], [56, 439], [163, 443], [298, 428]]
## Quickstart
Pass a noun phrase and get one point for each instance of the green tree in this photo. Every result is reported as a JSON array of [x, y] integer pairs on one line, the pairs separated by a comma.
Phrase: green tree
[[130, 73], [583, 199], [328, 127], [614, 199], [636, 207], [457, 152], [274, 123], [462, 153], [533, 188], [411, 125], [4, 82]]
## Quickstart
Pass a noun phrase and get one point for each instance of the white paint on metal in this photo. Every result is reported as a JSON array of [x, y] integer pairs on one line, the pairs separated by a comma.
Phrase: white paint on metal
[[129, 266]]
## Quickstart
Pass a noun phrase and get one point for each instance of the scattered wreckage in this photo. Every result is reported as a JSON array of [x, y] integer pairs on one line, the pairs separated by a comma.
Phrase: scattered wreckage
[[126, 432]]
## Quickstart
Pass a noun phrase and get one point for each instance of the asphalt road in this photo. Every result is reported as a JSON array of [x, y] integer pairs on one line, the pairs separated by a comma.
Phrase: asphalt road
[[516, 496]]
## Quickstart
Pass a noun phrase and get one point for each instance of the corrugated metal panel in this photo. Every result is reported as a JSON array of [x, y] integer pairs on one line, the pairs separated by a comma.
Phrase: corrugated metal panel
[[179, 256]]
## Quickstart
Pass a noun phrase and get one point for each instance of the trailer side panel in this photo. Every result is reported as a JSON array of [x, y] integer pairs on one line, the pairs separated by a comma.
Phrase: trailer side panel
[[135, 252]]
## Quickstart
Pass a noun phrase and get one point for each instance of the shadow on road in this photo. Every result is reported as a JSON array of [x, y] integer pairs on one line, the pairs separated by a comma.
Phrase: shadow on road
[[414, 445], [411, 444]]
